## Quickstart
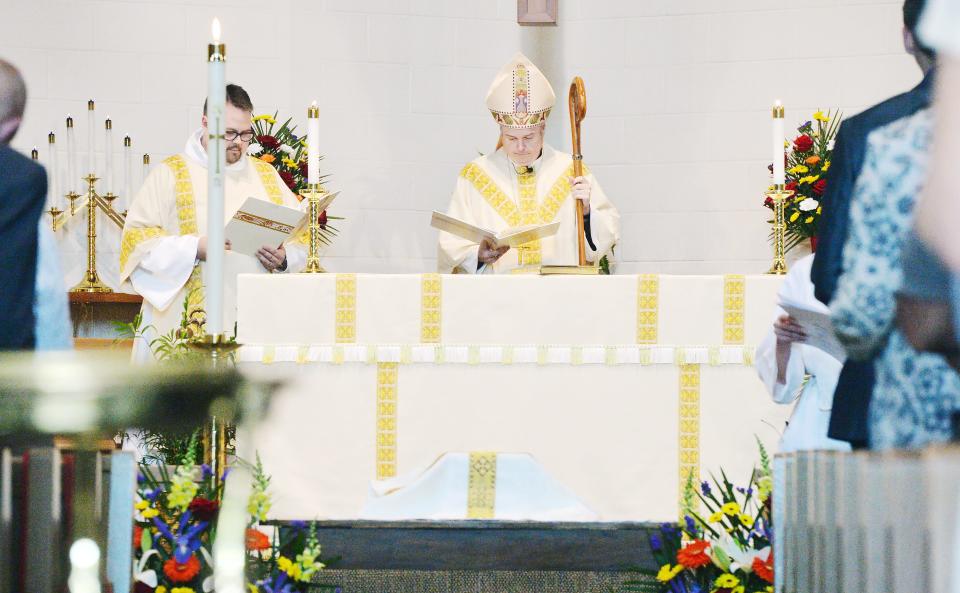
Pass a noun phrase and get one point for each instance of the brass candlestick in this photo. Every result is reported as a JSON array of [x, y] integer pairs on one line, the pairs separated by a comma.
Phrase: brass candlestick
[[54, 216], [779, 196], [314, 194], [219, 350], [72, 197], [91, 281]]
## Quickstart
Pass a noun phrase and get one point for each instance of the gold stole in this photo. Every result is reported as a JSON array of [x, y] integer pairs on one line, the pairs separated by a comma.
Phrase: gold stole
[[530, 212]]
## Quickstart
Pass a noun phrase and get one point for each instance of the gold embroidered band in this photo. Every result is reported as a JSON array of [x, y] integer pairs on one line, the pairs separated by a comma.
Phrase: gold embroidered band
[[689, 425], [346, 321], [648, 306], [386, 420], [262, 222], [733, 308], [431, 299], [482, 485]]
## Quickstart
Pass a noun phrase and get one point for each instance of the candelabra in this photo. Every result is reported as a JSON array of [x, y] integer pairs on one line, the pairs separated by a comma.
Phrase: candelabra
[[91, 281]]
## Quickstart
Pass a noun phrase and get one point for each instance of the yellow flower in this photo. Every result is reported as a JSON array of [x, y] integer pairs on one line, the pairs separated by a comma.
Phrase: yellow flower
[[739, 589], [798, 169], [731, 508], [746, 520], [666, 573], [150, 513], [808, 179], [289, 162], [267, 118], [826, 167], [794, 216], [819, 116], [764, 486], [726, 581], [181, 590], [251, 588], [160, 589], [716, 517], [142, 504], [808, 220]]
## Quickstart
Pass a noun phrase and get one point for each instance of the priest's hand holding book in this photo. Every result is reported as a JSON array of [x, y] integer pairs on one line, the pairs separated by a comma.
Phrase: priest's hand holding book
[[271, 258], [489, 252]]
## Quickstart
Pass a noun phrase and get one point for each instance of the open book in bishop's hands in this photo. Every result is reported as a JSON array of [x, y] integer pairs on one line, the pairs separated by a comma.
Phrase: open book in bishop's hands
[[258, 223], [511, 237]]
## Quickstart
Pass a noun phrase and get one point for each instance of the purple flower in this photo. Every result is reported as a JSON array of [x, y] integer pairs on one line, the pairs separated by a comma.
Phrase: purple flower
[[207, 472], [152, 495], [747, 491], [278, 584], [298, 525], [705, 488], [141, 478], [691, 524], [655, 544], [186, 541]]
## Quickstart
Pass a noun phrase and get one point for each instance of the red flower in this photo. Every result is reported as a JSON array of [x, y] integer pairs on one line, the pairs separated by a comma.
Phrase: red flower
[[792, 186], [204, 509], [267, 141], [257, 540], [303, 168], [287, 177], [181, 573], [694, 554], [819, 186], [764, 569], [803, 143], [322, 219], [137, 535], [140, 587], [768, 202]]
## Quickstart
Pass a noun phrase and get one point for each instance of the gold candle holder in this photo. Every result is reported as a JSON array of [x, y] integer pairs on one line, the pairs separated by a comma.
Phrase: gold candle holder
[[72, 197], [91, 280], [54, 216], [314, 194], [779, 196], [219, 350]]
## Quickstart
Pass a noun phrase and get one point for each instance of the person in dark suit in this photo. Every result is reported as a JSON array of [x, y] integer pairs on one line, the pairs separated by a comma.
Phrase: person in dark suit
[[848, 421], [23, 190]]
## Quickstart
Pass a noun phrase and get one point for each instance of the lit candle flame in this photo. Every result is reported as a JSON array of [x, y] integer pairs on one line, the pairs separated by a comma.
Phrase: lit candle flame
[[215, 30]]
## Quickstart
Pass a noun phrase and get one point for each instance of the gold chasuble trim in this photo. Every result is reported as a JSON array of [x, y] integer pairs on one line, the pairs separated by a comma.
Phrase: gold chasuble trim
[[346, 313], [431, 299], [648, 308], [187, 216], [133, 237], [734, 302], [689, 458], [529, 253], [386, 420], [482, 485], [268, 177]]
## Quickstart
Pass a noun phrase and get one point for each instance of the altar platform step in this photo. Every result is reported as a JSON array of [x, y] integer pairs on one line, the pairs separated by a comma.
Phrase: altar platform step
[[484, 556]]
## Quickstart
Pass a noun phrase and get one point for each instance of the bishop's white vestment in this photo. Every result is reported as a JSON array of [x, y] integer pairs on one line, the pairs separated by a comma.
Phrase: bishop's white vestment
[[158, 251], [491, 194]]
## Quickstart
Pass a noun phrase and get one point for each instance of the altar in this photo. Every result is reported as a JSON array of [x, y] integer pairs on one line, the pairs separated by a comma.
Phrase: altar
[[618, 386]]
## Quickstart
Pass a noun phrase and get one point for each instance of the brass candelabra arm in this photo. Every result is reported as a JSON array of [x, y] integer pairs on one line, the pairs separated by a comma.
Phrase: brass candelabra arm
[[72, 197], [54, 216], [105, 202]]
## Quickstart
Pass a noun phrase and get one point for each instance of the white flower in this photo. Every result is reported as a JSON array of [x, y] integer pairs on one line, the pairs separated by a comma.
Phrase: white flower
[[286, 148], [147, 577], [254, 149], [809, 204]]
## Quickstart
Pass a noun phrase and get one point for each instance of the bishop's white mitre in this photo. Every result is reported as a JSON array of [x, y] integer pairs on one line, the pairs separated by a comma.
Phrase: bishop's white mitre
[[520, 96]]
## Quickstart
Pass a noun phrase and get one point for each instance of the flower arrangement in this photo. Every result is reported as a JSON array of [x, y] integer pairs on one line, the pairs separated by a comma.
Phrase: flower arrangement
[[277, 145], [728, 548], [174, 531], [807, 164]]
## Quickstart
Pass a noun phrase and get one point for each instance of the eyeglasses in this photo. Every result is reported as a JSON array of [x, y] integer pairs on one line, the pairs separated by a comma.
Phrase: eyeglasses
[[244, 136]]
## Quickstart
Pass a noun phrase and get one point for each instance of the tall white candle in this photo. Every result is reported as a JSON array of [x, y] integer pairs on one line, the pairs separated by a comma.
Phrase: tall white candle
[[108, 155], [778, 134], [53, 174], [146, 169], [313, 144], [72, 171], [91, 144], [216, 166], [127, 196]]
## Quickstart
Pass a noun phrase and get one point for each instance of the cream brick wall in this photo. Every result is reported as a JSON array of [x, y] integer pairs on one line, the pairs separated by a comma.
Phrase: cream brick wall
[[679, 94]]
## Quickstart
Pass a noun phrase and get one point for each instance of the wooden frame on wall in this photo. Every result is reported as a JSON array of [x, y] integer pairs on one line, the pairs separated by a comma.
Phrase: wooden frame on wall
[[537, 12]]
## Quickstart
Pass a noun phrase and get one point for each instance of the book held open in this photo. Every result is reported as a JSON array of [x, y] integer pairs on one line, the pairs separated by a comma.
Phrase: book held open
[[512, 237], [258, 223]]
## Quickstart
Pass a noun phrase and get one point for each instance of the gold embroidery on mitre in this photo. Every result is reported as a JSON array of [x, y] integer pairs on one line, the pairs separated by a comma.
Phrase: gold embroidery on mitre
[[482, 485]]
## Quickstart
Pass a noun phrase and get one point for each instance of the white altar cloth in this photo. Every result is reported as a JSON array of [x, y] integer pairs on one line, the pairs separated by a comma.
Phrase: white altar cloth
[[619, 386]]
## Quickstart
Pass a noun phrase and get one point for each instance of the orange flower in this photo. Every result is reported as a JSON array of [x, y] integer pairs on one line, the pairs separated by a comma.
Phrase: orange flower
[[137, 536], [812, 160], [268, 158], [694, 554], [257, 540], [764, 569], [181, 573]]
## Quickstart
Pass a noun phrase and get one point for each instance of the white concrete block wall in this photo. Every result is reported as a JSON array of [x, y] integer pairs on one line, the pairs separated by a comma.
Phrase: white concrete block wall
[[678, 93]]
